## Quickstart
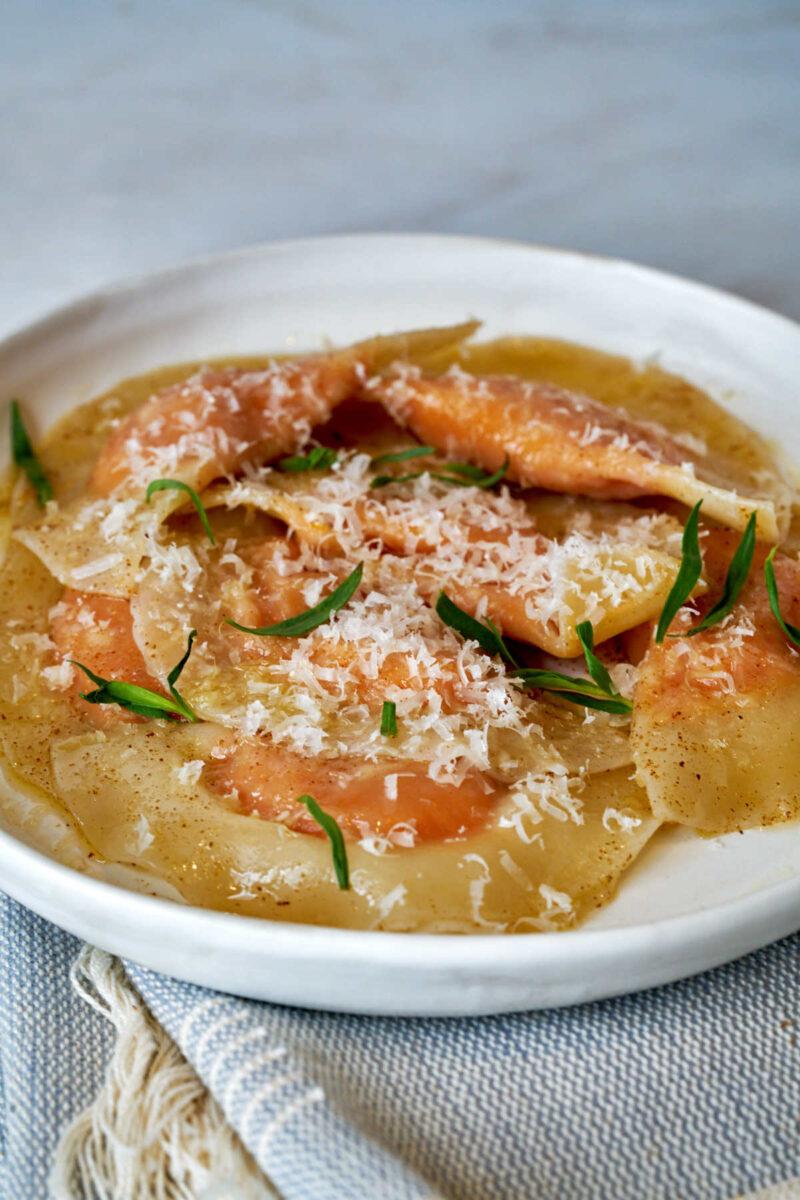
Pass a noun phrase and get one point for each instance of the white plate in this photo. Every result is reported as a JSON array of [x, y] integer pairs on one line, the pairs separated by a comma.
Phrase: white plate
[[688, 904]]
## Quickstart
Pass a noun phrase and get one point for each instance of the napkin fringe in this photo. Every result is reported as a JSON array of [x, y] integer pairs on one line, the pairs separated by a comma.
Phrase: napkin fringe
[[153, 1132]]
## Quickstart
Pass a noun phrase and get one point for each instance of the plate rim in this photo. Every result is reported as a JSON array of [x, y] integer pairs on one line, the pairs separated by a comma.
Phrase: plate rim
[[453, 947], [736, 921], [127, 284]]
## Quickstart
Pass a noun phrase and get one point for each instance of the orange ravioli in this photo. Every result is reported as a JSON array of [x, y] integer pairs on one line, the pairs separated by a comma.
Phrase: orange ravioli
[[559, 440], [482, 547], [714, 731], [220, 419], [98, 632], [467, 795], [395, 802]]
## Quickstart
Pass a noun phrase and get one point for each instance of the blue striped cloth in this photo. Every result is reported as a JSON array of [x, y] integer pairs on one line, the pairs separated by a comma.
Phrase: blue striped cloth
[[688, 1092]]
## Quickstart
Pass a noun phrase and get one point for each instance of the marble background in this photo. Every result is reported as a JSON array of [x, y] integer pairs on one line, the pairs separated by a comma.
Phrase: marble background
[[136, 133]]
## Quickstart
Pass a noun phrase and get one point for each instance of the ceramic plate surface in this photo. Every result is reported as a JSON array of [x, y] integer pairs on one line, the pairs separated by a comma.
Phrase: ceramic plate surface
[[688, 904]]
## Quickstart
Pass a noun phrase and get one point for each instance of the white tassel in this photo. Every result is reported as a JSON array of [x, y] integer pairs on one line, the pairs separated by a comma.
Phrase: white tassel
[[153, 1132]]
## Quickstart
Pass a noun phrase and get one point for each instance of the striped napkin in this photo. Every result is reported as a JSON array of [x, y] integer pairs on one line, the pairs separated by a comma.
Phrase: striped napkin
[[687, 1092]]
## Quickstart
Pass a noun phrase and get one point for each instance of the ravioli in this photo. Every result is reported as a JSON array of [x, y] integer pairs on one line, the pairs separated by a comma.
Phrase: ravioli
[[461, 759], [536, 589], [194, 431], [98, 545], [563, 441], [535, 869], [716, 727]]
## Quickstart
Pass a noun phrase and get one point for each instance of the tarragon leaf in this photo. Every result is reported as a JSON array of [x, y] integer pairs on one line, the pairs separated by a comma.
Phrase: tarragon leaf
[[456, 474], [381, 481], [304, 622], [176, 485], [577, 691], [24, 456], [320, 458], [141, 700], [688, 574], [472, 476], [402, 455], [389, 719], [338, 850], [598, 692], [485, 633], [791, 631], [596, 669], [734, 580]]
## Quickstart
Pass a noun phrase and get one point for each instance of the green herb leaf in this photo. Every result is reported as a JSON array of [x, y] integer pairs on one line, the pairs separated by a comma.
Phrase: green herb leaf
[[175, 485], [327, 822], [598, 692], [577, 691], [389, 719], [304, 622], [141, 700], [688, 575], [24, 457], [402, 455], [320, 458], [470, 476], [596, 669], [467, 471], [486, 634], [384, 480], [734, 580], [175, 673], [473, 476], [791, 631]]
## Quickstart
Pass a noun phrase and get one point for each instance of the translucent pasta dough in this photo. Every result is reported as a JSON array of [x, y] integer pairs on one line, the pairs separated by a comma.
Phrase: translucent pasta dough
[[378, 648]]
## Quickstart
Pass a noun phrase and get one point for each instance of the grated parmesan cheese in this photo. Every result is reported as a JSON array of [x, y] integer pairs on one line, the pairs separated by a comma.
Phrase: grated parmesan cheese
[[59, 677], [558, 903], [190, 772], [617, 821], [97, 566]]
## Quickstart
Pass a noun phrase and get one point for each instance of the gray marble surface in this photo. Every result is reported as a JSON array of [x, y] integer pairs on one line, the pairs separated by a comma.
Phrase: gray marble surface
[[136, 134]]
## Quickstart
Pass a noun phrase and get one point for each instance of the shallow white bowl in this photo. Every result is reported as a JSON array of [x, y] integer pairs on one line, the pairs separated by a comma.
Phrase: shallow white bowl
[[688, 904]]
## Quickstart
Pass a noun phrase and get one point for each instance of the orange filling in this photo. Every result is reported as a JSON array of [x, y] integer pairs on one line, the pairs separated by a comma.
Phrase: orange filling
[[365, 799]]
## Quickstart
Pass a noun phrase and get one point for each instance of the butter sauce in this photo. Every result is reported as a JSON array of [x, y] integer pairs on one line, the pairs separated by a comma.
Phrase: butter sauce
[[105, 798]]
